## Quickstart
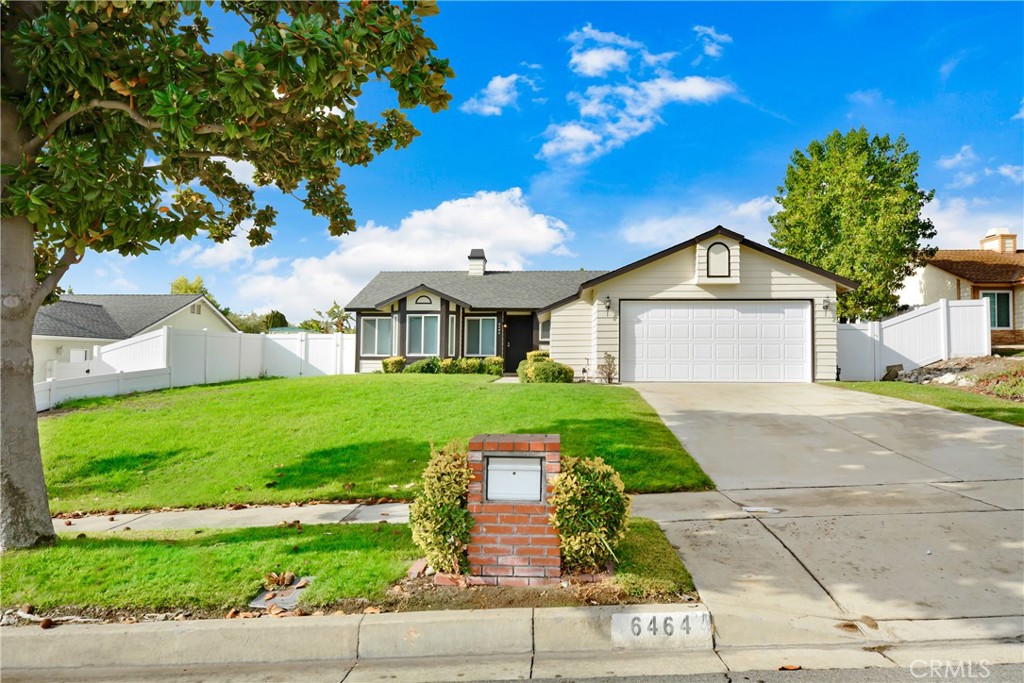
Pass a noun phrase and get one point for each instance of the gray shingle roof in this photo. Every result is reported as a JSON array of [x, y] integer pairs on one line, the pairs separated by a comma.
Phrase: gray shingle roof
[[528, 289], [107, 316]]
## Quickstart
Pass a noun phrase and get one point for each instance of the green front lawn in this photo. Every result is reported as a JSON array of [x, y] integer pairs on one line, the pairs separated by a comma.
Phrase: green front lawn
[[329, 438], [206, 571], [961, 401]]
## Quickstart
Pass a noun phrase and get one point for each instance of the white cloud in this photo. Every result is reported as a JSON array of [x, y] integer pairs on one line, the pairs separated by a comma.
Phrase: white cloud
[[590, 34], [1014, 173], [749, 218], [1020, 114], [530, 65], [865, 98], [501, 223], [625, 107], [949, 65], [712, 41], [612, 115], [963, 179], [242, 171], [965, 157], [124, 285], [962, 221], [599, 61], [234, 251], [501, 92]]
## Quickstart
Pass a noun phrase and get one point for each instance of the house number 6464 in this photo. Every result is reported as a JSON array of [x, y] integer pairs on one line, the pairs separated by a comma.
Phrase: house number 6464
[[665, 626]]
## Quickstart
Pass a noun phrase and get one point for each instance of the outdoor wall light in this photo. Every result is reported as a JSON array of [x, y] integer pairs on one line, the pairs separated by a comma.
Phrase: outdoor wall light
[[607, 304], [826, 305]]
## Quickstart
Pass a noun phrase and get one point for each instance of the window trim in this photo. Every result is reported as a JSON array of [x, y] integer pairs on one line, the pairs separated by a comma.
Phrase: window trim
[[1009, 297], [728, 259], [362, 335], [540, 331], [423, 335], [465, 345], [453, 327]]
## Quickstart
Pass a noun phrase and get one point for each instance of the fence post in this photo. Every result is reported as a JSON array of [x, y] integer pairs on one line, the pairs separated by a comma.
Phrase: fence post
[[875, 333], [166, 333], [944, 330], [303, 352]]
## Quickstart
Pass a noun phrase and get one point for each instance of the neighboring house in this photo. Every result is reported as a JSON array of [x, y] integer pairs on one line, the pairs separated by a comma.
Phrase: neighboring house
[[995, 271], [67, 330], [717, 307]]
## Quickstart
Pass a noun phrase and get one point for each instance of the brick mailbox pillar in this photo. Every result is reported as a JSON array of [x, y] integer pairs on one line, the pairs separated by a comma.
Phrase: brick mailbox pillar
[[513, 542]]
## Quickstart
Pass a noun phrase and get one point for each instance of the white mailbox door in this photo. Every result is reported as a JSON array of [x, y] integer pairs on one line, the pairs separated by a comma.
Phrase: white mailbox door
[[513, 478]]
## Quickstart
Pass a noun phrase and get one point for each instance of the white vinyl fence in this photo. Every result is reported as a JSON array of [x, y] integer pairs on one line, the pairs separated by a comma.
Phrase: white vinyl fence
[[171, 357], [939, 331]]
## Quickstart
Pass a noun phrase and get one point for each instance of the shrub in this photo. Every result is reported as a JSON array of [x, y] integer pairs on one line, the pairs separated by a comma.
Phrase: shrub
[[608, 369], [590, 512], [535, 356], [393, 364], [543, 371], [494, 365], [440, 516], [430, 366], [449, 366], [471, 366]]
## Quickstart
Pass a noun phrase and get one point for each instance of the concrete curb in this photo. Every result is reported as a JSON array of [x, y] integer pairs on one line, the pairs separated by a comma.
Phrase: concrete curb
[[369, 637]]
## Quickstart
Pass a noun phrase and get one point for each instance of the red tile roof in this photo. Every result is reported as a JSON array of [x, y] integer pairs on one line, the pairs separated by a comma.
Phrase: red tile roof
[[981, 265]]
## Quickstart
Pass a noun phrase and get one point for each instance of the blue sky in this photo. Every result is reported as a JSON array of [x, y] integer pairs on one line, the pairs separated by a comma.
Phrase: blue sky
[[590, 134]]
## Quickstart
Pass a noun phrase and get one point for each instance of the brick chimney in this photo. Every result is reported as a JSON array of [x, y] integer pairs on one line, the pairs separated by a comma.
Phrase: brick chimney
[[1001, 240], [477, 262]]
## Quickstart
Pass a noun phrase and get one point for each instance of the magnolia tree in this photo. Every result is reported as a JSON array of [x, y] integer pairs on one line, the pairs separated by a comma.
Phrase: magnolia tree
[[117, 124]]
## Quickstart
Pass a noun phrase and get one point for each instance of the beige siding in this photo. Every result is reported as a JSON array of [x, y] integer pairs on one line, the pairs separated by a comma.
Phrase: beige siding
[[207, 319], [370, 365], [571, 335], [1018, 308], [672, 277], [929, 284]]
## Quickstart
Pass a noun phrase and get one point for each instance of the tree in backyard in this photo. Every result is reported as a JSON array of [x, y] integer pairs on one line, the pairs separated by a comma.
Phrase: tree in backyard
[[334, 319], [851, 205], [182, 285], [109, 105], [274, 319]]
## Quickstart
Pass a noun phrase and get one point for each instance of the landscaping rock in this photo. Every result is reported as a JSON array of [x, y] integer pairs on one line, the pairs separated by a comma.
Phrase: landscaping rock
[[948, 378]]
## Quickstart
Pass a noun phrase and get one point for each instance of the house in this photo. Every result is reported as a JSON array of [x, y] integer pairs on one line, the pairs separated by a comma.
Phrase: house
[[718, 307], [994, 271], [67, 330]]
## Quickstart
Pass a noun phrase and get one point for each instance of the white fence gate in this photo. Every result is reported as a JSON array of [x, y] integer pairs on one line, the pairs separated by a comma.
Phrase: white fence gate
[[171, 357], [939, 331]]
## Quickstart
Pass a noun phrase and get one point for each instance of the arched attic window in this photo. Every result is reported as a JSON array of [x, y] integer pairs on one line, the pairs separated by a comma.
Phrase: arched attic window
[[718, 260], [424, 299]]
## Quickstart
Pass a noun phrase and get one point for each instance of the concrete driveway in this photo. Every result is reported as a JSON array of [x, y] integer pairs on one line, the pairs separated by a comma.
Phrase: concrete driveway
[[891, 521]]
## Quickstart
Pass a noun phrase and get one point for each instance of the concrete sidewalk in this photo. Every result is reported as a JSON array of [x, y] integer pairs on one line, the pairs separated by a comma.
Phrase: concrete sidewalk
[[254, 515]]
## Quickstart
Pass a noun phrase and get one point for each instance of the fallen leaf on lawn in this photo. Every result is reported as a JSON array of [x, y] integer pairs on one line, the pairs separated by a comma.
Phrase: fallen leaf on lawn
[[270, 484], [288, 579], [790, 667], [232, 613], [302, 583], [869, 622], [371, 610], [275, 609], [269, 595], [348, 486]]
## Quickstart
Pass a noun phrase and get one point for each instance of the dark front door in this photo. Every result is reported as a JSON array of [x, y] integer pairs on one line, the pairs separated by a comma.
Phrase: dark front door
[[518, 339]]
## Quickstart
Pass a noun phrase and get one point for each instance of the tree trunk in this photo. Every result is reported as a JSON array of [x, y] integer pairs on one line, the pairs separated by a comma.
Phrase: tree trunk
[[24, 505]]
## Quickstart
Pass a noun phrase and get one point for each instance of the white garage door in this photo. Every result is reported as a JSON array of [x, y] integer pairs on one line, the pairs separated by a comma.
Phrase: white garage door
[[716, 341]]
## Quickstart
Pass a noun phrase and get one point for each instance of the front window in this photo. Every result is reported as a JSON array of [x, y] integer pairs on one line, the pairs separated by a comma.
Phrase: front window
[[376, 339], [1000, 304], [423, 335], [545, 330], [481, 336]]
